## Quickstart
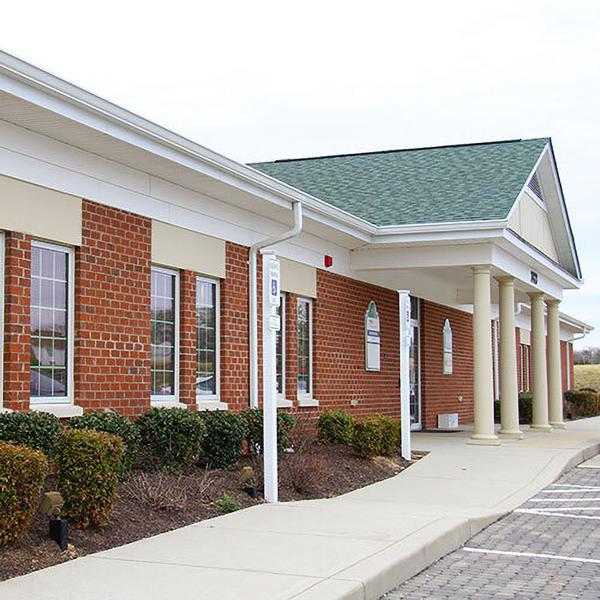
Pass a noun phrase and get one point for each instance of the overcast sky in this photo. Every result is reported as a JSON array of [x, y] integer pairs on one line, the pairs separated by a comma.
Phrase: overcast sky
[[263, 80]]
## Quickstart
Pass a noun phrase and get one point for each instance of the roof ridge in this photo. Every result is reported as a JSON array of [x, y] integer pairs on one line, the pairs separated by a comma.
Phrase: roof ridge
[[372, 152]]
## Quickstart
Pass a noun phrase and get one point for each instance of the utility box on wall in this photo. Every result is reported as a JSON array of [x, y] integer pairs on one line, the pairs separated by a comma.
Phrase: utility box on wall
[[448, 421]]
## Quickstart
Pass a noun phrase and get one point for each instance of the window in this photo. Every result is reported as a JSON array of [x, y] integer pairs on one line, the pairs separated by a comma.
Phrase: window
[[447, 346], [207, 339], [280, 349], [165, 334], [525, 357], [305, 367], [51, 314]]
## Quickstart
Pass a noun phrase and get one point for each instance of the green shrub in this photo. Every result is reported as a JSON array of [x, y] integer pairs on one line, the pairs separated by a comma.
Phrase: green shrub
[[336, 427], [36, 430], [170, 438], [116, 424], [228, 503], [254, 418], [376, 436], [88, 467], [22, 474], [581, 403], [525, 408], [225, 435]]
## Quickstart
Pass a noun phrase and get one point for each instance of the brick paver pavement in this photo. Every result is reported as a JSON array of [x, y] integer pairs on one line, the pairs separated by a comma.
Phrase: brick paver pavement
[[562, 520]]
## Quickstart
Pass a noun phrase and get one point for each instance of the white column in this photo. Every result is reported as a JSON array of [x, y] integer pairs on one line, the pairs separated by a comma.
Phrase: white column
[[483, 383], [538, 364], [405, 335], [509, 395], [555, 394]]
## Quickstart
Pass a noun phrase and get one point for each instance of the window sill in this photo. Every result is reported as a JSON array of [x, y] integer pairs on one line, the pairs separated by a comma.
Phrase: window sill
[[307, 402], [283, 403], [4, 410], [169, 404], [62, 411], [204, 405]]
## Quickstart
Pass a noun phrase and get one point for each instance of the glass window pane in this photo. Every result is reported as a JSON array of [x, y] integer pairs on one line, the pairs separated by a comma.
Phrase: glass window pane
[[304, 349], [206, 336], [49, 338]]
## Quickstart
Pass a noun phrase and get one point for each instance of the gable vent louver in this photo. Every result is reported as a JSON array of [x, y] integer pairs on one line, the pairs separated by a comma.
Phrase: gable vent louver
[[534, 186]]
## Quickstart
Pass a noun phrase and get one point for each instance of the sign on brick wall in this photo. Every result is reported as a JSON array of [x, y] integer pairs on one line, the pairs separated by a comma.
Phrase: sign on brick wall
[[372, 338]]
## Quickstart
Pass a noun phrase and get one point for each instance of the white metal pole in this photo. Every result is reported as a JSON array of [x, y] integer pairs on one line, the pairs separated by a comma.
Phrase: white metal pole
[[405, 341], [271, 300]]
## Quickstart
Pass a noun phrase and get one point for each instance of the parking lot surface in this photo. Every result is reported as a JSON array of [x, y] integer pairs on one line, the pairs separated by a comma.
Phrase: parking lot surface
[[547, 548]]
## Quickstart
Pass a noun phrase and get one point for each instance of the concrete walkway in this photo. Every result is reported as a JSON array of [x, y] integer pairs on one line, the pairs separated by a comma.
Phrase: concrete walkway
[[355, 547]]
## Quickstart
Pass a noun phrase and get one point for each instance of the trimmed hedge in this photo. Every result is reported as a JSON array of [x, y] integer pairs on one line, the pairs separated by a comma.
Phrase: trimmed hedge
[[376, 436], [116, 424], [254, 419], [525, 408], [170, 438], [37, 430], [88, 467], [225, 435], [22, 474], [581, 403], [336, 427]]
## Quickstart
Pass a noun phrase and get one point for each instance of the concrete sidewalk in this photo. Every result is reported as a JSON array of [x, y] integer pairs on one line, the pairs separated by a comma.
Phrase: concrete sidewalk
[[355, 547]]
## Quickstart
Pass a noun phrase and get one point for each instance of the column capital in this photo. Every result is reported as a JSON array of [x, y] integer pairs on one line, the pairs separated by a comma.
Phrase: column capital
[[536, 295], [484, 269], [505, 280], [552, 302]]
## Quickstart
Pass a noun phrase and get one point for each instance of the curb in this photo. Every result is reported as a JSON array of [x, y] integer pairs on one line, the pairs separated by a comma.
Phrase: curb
[[375, 576]]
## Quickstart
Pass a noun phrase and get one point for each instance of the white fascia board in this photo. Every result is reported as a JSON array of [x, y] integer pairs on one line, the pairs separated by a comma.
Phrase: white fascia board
[[538, 260], [440, 233], [575, 324]]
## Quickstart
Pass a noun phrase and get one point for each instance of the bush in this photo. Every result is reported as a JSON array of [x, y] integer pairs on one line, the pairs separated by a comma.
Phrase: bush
[[581, 403], [116, 424], [170, 438], [376, 436], [228, 503], [88, 467], [336, 427], [160, 491], [22, 474], [36, 430], [525, 407], [225, 435], [254, 419]]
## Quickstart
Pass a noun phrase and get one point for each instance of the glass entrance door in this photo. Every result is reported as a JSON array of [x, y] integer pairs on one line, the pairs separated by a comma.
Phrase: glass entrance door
[[415, 365]]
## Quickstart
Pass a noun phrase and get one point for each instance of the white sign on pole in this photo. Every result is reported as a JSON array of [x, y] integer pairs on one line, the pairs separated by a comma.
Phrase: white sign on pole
[[405, 341], [271, 324]]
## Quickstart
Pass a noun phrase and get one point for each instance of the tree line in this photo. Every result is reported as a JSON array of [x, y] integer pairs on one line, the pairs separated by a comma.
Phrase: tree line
[[587, 356]]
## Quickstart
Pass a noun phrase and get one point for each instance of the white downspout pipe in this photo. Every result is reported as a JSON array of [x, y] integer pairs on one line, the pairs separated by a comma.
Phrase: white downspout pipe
[[253, 334]]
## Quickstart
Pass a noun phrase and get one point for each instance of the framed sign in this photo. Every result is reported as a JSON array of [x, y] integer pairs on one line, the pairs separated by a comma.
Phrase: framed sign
[[372, 338], [447, 348]]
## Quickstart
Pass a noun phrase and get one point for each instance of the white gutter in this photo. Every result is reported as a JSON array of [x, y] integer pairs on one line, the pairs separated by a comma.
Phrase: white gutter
[[253, 317]]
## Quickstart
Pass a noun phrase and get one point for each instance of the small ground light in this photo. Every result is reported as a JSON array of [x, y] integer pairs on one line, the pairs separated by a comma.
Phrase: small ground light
[[58, 528]]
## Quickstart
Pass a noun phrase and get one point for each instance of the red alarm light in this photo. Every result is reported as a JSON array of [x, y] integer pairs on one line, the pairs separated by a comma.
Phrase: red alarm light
[[328, 260]]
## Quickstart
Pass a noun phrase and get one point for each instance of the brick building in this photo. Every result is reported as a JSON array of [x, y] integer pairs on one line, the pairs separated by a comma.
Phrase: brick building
[[125, 269]]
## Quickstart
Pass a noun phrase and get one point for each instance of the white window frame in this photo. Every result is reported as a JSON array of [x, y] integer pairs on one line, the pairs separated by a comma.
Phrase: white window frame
[[568, 346], [306, 399], [211, 401], [282, 402], [36, 401], [159, 400], [1, 321]]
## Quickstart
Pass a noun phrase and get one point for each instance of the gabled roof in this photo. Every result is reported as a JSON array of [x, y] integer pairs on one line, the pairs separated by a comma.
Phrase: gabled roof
[[467, 182]]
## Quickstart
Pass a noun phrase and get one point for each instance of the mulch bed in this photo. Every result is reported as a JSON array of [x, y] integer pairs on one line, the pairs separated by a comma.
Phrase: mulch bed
[[334, 470]]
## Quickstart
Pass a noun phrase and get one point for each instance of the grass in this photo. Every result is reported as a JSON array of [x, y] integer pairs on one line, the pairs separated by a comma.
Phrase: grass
[[587, 376]]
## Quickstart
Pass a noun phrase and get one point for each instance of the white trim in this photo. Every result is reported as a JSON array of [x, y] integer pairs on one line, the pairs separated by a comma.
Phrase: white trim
[[496, 355], [171, 400], [69, 398], [281, 401], [306, 399], [568, 348], [416, 322], [58, 409], [206, 401], [2, 254]]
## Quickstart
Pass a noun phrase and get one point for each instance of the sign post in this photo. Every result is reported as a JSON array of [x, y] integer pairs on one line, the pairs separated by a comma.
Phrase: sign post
[[271, 324], [405, 341]]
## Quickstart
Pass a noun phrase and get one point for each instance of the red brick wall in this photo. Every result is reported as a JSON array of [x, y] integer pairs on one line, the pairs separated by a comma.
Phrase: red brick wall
[[112, 311], [187, 338], [17, 286], [566, 358], [339, 347], [234, 328], [440, 392]]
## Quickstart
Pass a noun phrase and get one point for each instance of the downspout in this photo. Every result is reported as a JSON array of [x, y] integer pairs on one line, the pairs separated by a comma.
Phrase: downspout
[[253, 334]]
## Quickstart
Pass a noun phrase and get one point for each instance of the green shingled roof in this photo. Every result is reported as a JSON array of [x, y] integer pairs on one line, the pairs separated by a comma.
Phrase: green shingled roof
[[423, 185]]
